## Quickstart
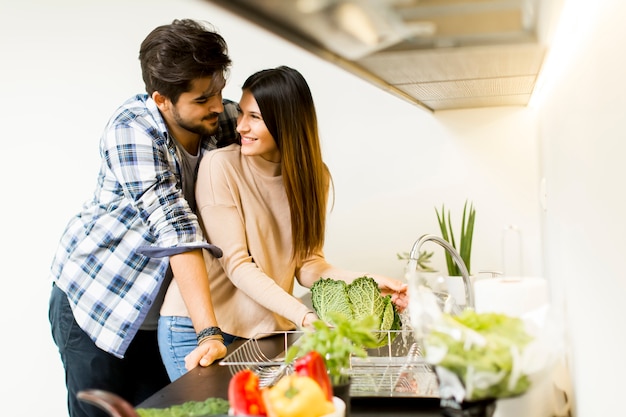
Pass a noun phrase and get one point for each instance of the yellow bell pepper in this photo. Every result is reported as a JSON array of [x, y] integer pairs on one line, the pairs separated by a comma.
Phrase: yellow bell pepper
[[296, 396]]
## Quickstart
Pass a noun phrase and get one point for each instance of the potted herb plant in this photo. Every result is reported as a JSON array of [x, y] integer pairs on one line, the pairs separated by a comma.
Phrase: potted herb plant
[[464, 247], [336, 343], [423, 260], [454, 281]]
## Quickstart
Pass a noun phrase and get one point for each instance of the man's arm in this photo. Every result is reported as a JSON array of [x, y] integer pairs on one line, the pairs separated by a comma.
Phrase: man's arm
[[192, 278]]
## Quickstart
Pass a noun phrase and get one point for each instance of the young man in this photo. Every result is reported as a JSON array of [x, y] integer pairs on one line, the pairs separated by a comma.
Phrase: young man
[[118, 255]]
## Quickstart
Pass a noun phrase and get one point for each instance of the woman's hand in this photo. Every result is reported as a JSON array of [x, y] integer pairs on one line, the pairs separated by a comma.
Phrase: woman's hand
[[208, 352], [396, 288], [308, 319]]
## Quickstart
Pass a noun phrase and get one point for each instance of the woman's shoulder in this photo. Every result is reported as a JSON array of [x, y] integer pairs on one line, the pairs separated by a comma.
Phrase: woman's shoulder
[[222, 160], [228, 153]]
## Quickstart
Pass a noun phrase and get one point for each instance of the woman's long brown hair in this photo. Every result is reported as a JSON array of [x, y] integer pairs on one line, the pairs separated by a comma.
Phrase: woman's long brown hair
[[287, 107]]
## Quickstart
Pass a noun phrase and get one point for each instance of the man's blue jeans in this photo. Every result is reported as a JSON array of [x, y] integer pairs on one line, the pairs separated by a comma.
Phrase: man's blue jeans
[[134, 378]]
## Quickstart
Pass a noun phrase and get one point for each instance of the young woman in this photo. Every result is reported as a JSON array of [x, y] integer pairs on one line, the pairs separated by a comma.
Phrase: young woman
[[264, 203]]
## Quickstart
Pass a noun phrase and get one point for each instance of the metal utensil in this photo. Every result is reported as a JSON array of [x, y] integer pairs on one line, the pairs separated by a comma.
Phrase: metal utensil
[[111, 403]]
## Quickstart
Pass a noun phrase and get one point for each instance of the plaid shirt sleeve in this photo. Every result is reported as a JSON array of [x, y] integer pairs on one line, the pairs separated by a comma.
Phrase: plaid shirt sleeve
[[138, 203], [141, 169]]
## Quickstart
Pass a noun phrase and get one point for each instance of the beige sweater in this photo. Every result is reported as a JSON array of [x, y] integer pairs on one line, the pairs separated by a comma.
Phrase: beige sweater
[[243, 206]]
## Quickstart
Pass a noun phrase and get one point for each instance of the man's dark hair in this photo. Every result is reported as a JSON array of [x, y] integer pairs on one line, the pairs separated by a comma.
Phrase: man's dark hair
[[173, 55]]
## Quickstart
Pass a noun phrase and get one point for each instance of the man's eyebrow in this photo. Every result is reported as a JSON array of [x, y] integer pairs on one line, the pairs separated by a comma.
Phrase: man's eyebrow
[[207, 94], [211, 91], [204, 95]]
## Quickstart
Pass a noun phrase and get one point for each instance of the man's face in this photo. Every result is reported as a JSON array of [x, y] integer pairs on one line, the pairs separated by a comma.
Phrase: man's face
[[197, 110]]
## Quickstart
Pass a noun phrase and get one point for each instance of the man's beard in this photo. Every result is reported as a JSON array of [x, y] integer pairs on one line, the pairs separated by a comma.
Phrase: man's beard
[[198, 129]]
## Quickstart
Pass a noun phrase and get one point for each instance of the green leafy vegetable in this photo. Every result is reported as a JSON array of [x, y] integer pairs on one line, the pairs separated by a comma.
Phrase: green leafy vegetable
[[356, 301], [482, 350], [337, 343], [210, 407], [330, 295]]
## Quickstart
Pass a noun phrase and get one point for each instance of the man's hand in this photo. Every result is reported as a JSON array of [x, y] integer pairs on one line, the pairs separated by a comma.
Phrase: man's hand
[[208, 352]]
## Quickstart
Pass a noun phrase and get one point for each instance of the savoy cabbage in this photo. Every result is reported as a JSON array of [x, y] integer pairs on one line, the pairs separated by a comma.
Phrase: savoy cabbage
[[356, 300]]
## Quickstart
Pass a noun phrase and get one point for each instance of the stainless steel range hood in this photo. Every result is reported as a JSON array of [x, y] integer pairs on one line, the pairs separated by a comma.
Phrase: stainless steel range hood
[[439, 54]]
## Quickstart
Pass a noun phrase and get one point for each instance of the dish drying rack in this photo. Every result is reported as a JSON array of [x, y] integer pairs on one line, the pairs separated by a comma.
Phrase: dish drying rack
[[397, 369]]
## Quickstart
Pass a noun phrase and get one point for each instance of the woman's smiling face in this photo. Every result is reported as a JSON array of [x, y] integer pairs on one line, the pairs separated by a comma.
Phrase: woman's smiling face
[[256, 139]]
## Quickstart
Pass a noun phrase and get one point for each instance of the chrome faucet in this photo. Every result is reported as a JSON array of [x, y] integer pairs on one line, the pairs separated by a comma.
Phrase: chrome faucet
[[414, 254]]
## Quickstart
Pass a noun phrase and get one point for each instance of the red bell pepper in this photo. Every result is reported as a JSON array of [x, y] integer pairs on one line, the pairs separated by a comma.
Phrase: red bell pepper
[[312, 365], [244, 394]]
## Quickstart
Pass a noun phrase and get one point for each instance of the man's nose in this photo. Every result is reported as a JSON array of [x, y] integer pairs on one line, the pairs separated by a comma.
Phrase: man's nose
[[216, 106]]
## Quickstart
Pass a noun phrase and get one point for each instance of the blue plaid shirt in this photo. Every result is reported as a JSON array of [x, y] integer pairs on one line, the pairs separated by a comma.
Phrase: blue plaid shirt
[[138, 203]]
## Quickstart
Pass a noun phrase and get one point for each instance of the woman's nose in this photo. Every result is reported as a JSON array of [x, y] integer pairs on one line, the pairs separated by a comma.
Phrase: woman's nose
[[241, 125]]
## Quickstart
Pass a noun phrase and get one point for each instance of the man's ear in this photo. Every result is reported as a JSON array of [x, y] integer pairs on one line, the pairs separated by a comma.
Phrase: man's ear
[[161, 101]]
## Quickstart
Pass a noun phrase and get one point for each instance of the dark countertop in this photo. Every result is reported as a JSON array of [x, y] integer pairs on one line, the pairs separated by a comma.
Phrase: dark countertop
[[212, 381]]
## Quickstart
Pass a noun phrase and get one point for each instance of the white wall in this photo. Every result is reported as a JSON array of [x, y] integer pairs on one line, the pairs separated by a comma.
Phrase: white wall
[[582, 130], [67, 64]]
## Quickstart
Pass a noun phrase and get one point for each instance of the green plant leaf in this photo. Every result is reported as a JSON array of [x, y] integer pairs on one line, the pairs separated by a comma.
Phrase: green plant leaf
[[336, 343], [423, 259], [444, 218]]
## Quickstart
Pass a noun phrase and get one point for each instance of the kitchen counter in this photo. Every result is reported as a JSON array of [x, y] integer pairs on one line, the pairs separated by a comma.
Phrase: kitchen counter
[[201, 383]]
